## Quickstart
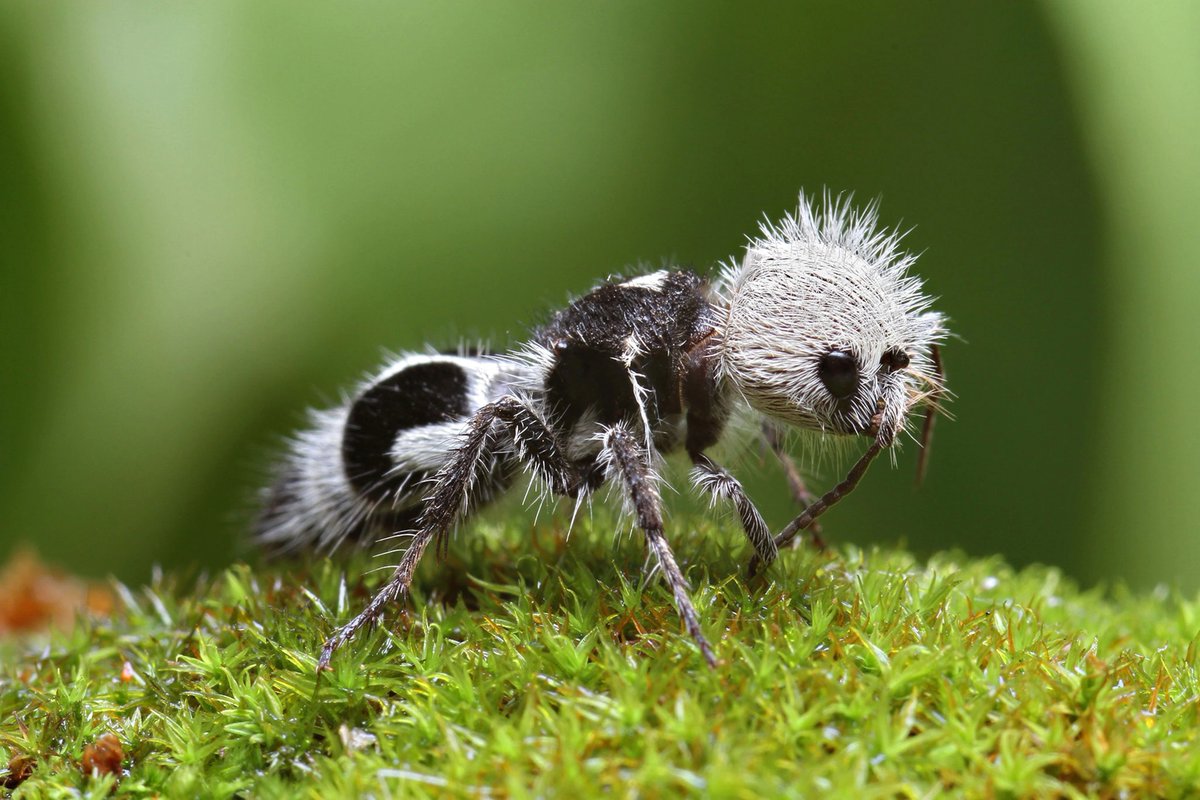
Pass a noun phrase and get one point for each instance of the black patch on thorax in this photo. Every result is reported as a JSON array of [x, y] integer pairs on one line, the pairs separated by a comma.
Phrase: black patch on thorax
[[590, 337]]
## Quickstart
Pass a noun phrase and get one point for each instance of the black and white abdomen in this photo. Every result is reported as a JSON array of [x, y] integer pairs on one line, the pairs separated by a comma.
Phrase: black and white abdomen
[[360, 470]]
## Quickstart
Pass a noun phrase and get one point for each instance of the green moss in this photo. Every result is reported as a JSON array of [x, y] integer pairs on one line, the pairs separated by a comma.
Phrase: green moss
[[528, 667]]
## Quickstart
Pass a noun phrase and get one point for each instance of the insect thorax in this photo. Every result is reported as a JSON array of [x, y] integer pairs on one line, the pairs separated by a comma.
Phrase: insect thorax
[[629, 351]]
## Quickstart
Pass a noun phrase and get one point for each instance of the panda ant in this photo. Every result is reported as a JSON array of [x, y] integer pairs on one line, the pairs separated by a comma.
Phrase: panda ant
[[820, 326]]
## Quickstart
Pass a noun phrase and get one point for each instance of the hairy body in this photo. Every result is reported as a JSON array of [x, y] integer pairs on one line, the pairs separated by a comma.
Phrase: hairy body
[[820, 326]]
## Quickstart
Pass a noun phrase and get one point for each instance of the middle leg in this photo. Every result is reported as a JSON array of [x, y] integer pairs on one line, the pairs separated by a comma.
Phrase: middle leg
[[627, 461]]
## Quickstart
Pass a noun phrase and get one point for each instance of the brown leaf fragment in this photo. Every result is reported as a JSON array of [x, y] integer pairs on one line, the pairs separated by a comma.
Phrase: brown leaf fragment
[[20, 767], [34, 596], [103, 756]]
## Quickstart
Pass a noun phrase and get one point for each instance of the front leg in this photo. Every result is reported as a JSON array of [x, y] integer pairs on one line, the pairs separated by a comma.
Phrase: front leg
[[800, 493], [487, 437], [826, 501], [714, 479], [627, 461]]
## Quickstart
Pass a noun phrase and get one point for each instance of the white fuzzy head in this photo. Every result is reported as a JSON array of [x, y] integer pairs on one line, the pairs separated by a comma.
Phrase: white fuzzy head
[[826, 329]]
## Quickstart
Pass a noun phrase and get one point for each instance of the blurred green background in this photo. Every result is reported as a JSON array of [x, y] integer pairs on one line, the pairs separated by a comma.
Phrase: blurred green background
[[214, 215]]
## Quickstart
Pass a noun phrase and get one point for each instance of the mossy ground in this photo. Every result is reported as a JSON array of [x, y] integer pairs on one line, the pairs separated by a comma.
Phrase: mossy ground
[[532, 667]]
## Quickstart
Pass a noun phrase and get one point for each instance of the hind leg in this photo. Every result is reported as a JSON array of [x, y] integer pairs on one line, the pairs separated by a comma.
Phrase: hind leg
[[495, 427]]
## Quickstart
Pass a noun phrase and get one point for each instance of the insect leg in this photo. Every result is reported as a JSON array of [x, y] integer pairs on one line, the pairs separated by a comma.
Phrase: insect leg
[[627, 460], [800, 493], [641, 398], [716, 480], [483, 441], [396, 587], [826, 501], [932, 407], [537, 445]]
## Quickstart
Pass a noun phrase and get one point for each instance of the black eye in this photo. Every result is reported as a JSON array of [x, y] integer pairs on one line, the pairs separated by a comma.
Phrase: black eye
[[839, 372], [893, 360]]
